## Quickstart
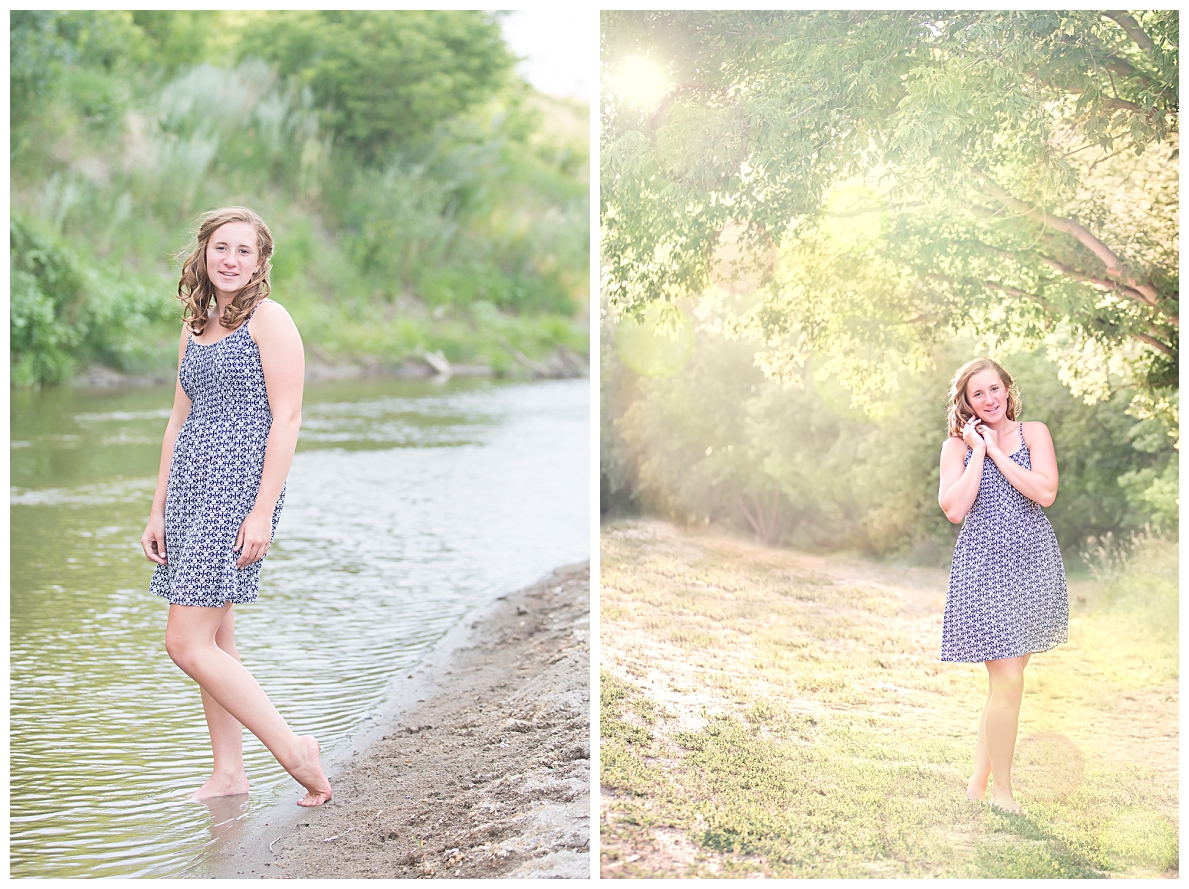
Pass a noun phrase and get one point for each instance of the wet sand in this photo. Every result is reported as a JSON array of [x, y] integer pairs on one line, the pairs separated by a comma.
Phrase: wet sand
[[481, 768]]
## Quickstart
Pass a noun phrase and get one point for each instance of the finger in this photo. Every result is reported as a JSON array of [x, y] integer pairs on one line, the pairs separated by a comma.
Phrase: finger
[[248, 556], [150, 547]]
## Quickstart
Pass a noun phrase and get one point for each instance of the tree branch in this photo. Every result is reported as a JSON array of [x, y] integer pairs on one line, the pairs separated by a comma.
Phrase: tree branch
[[1114, 265], [1068, 272], [1023, 294], [1124, 20], [1112, 286], [1154, 343]]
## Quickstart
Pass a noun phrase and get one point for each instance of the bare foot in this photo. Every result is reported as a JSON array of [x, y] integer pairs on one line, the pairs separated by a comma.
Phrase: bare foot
[[309, 772], [976, 790], [222, 785], [1006, 802]]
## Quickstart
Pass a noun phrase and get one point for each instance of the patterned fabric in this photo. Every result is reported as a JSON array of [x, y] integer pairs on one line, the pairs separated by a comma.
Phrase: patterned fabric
[[218, 459], [1007, 593]]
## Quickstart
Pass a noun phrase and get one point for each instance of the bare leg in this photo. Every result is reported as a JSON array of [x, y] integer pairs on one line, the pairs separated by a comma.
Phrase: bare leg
[[1002, 720], [227, 739], [190, 641], [976, 790]]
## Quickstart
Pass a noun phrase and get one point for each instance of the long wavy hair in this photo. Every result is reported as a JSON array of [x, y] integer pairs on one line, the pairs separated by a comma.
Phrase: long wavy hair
[[960, 411], [195, 289]]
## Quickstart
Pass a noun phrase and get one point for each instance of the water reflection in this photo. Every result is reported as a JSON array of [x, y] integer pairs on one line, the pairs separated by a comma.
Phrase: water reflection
[[407, 506]]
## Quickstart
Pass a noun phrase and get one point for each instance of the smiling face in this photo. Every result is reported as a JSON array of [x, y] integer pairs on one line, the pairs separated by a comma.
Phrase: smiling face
[[987, 395], [232, 257]]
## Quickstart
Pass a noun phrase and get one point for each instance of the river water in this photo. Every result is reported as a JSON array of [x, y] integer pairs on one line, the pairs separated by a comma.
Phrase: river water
[[408, 505]]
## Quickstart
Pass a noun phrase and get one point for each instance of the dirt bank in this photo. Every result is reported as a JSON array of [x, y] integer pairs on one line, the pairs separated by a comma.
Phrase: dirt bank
[[488, 776]]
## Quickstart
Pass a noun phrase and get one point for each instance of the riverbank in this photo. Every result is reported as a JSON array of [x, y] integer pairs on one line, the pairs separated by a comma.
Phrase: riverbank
[[772, 713], [480, 768], [562, 363]]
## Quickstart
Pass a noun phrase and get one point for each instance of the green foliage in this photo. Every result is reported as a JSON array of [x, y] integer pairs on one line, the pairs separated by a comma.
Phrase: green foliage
[[179, 37], [385, 79], [63, 311], [44, 45], [1020, 169], [720, 443], [475, 235], [45, 286]]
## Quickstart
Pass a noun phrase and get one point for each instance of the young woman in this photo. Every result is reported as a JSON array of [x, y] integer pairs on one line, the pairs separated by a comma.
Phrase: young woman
[[1007, 596], [227, 451]]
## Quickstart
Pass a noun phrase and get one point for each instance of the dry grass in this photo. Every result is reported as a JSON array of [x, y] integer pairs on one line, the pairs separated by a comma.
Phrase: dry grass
[[770, 712]]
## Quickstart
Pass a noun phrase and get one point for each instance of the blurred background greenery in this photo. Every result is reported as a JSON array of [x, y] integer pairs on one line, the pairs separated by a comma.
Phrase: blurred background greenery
[[811, 219], [422, 195]]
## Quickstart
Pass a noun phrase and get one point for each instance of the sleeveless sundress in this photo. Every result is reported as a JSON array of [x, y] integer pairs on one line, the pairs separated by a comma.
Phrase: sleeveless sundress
[[1007, 594], [215, 472]]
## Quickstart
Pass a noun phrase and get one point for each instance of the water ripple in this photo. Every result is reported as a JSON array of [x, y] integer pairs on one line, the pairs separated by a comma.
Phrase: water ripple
[[404, 510]]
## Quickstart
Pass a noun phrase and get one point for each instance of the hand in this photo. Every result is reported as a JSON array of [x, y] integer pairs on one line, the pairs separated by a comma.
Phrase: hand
[[254, 536], [971, 437], [152, 541], [991, 437]]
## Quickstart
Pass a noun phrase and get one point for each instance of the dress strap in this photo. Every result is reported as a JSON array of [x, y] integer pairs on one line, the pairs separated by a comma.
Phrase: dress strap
[[254, 308]]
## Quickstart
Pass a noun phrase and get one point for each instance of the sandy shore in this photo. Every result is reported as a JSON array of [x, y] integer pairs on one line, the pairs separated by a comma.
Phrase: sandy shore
[[482, 769]]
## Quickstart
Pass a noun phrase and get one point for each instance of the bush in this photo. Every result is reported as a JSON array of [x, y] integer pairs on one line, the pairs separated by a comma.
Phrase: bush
[[63, 312]]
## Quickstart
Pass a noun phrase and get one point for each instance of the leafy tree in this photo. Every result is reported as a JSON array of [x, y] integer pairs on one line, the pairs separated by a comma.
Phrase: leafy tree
[[882, 179], [44, 45], [385, 78], [181, 37]]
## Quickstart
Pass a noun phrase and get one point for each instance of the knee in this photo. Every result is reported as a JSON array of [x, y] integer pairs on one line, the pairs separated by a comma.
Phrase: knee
[[180, 650], [1008, 683]]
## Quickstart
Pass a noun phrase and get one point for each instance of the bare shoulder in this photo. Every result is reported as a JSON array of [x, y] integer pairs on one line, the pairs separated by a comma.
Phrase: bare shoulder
[[270, 313], [270, 319], [953, 446], [1036, 431]]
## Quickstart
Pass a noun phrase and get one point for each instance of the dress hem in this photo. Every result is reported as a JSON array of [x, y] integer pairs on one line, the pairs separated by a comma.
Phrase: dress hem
[[229, 601], [958, 660]]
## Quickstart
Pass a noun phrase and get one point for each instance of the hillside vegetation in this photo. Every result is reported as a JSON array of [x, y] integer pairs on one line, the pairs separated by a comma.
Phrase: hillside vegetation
[[421, 195]]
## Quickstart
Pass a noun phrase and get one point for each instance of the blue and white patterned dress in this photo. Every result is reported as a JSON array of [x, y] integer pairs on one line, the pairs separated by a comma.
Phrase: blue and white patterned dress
[[1007, 594], [214, 476]]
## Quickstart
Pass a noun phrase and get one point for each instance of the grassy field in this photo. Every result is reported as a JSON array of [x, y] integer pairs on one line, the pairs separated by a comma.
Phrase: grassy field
[[767, 712]]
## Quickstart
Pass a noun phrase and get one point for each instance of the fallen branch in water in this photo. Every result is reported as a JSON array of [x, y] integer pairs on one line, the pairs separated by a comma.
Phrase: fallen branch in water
[[535, 366]]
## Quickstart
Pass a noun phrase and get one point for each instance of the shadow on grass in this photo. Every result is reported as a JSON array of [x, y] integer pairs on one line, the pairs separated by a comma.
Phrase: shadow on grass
[[1015, 846]]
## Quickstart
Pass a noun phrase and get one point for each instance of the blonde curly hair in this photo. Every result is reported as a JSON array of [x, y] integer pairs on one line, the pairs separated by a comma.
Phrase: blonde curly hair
[[960, 411], [195, 289]]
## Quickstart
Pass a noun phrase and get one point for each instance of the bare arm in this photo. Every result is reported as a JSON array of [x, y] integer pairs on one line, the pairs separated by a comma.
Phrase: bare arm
[[153, 539], [959, 484], [283, 359], [1040, 482]]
